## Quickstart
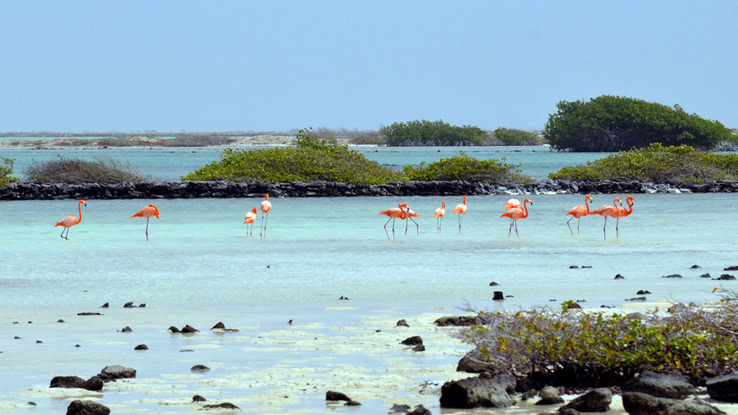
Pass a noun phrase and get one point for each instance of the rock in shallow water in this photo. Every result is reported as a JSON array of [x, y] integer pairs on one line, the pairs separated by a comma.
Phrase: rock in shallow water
[[637, 403], [596, 400], [662, 385], [80, 407], [479, 392]]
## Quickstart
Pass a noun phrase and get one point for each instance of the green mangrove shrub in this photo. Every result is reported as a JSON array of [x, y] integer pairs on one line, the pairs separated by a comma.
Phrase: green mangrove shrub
[[656, 163], [611, 123], [6, 169], [468, 168], [432, 133], [515, 137], [576, 347], [312, 159], [102, 170]]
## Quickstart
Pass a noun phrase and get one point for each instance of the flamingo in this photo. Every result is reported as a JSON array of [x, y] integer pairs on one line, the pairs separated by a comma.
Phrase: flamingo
[[266, 206], [623, 213], [394, 213], [460, 209], [250, 219], [607, 210], [516, 213], [440, 213], [410, 215], [578, 212], [512, 203], [70, 221], [147, 213]]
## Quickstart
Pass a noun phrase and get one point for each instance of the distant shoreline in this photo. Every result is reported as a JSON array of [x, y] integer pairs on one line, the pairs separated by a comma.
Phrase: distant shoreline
[[146, 142]]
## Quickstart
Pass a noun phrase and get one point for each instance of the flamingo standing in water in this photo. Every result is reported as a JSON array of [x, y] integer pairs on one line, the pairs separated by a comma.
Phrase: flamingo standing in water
[[266, 206], [250, 219], [623, 213], [512, 203], [578, 212], [440, 213], [394, 213], [607, 210], [147, 213], [514, 214], [460, 209], [70, 221]]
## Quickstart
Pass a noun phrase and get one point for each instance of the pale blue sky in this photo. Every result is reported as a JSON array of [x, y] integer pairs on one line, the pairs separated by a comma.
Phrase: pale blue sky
[[276, 65]]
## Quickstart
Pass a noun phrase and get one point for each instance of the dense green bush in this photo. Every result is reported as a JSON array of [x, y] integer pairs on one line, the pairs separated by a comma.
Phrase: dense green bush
[[6, 169], [432, 133], [80, 171], [656, 163], [514, 137], [313, 159], [598, 349], [610, 123], [468, 168]]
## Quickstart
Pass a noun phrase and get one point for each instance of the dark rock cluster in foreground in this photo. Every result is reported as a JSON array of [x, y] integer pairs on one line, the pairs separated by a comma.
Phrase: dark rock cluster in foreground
[[223, 189]]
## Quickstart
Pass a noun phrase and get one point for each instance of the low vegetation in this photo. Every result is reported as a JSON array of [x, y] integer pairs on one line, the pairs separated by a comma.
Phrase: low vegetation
[[432, 133], [101, 170], [515, 137], [611, 123], [658, 164], [583, 348], [468, 168], [6, 169], [312, 159]]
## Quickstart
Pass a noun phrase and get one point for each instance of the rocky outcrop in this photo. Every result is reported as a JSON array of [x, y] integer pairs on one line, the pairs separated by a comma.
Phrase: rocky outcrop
[[596, 400], [472, 362], [458, 321], [724, 388], [80, 407], [116, 372], [479, 392], [224, 189], [663, 385], [637, 403], [92, 384]]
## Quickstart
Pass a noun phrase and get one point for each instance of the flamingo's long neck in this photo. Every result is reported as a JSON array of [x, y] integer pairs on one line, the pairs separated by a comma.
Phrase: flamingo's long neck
[[525, 209], [586, 203], [630, 207], [79, 206]]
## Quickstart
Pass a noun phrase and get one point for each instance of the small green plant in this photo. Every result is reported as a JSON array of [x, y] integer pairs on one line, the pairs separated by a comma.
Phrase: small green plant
[[468, 168], [6, 169], [595, 348], [312, 159], [102, 170], [656, 163]]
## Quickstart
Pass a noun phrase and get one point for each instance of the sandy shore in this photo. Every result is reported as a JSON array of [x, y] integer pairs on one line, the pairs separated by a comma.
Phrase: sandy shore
[[144, 142]]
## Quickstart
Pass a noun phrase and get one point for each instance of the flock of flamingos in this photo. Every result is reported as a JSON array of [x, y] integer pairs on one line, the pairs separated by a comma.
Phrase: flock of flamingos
[[514, 211]]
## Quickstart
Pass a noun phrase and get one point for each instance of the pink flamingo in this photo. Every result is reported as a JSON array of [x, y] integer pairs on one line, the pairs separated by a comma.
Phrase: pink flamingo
[[460, 209], [578, 212], [607, 210], [70, 221], [394, 213], [250, 219], [147, 213], [512, 203], [516, 213], [440, 213], [623, 213], [266, 206]]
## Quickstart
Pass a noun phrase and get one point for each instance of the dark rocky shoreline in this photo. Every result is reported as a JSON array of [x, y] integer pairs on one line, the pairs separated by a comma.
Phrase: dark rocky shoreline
[[223, 189]]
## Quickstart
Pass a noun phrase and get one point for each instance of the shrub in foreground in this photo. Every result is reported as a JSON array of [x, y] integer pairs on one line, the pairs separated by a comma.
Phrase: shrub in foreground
[[468, 168], [6, 169], [313, 159], [594, 349], [101, 170], [656, 163]]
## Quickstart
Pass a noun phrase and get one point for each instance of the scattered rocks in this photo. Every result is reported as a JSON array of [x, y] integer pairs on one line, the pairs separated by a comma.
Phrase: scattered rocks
[[187, 329], [619, 277], [402, 323], [586, 266], [493, 284], [636, 299], [638, 403], [419, 348], [456, 321], [472, 362], [220, 327], [141, 347], [60, 321], [672, 276], [336, 396], [550, 396], [173, 329], [498, 296], [224, 405], [200, 368], [596, 400], [116, 372], [87, 313], [92, 384], [725, 277], [126, 329], [128, 305], [412, 341], [106, 305], [662, 385], [724, 388], [80, 407], [405, 409], [343, 298], [706, 275], [642, 292], [731, 268], [478, 392], [198, 398], [573, 266], [695, 266], [352, 403]]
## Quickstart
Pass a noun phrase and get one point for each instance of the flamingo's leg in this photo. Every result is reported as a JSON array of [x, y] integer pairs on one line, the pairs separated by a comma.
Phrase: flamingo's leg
[[406, 222], [266, 220], [147, 229], [385, 227], [441, 224], [417, 227], [617, 231], [578, 222], [516, 228], [62, 234], [604, 233], [567, 224], [509, 230], [459, 222]]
